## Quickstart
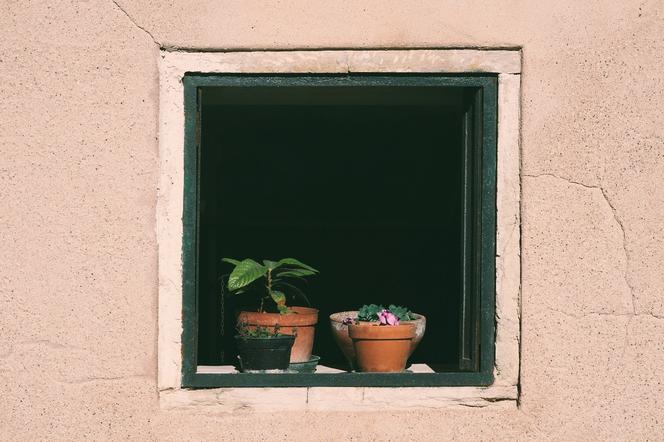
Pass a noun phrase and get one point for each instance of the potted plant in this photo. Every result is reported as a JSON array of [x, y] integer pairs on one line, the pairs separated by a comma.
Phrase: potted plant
[[340, 322], [260, 348], [270, 282], [380, 340]]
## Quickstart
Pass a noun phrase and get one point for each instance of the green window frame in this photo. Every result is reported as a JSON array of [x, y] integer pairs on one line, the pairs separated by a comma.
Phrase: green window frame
[[477, 337]]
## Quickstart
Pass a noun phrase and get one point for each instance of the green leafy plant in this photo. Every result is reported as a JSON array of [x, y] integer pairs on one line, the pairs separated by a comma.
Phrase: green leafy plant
[[385, 316], [403, 313], [261, 332], [277, 277]]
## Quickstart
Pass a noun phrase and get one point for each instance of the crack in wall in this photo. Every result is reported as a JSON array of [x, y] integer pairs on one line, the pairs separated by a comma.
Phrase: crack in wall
[[609, 314], [625, 248], [135, 23], [586, 314], [616, 219]]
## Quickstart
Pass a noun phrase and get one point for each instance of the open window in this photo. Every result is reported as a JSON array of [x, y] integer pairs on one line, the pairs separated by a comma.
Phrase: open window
[[386, 184]]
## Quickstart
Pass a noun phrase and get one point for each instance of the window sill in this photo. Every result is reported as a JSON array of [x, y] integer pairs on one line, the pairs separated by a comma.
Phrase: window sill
[[315, 398], [269, 399], [272, 399]]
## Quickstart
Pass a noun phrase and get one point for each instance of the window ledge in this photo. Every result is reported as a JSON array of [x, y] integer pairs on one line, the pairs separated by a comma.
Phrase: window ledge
[[232, 400], [271, 399]]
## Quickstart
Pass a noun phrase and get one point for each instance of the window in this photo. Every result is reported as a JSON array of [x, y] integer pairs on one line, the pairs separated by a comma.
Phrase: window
[[394, 172]]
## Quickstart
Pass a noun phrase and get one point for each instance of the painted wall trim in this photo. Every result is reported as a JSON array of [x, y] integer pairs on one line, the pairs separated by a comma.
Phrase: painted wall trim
[[172, 68]]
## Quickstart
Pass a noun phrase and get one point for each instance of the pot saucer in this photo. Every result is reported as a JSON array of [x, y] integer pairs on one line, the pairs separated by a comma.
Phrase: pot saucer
[[304, 367]]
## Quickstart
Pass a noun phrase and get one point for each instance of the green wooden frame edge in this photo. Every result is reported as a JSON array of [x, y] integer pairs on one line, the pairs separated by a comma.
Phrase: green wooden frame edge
[[484, 377]]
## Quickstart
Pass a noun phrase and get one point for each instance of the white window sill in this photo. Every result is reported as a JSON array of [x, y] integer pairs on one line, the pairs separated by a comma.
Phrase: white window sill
[[271, 399]]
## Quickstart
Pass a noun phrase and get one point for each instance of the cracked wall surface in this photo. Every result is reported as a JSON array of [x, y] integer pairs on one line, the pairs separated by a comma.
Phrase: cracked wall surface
[[78, 186]]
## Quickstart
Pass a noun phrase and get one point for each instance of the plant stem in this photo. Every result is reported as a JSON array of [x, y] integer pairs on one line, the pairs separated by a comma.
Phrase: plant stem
[[269, 290]]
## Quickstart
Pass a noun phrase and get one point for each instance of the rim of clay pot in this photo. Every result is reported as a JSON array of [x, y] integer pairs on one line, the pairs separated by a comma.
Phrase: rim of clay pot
[[374, 331], [340, 316], [265, 342], [299, 316]]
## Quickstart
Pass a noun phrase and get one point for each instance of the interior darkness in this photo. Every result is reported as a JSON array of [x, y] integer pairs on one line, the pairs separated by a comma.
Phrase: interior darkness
[[362, 183]]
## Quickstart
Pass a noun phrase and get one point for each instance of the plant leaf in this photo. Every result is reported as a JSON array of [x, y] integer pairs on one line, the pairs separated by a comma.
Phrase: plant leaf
[[296, 289], [296, 263], [296, 273], [271, 264], [245, 273], [235, 262], [299, 278], [403, 313], [369, 312]]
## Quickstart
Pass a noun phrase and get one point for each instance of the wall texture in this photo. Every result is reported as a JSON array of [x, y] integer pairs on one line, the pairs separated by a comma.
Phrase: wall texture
[[78, 185]]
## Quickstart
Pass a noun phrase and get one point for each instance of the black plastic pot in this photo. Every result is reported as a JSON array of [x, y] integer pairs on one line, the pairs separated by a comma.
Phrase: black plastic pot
[[264, 353]]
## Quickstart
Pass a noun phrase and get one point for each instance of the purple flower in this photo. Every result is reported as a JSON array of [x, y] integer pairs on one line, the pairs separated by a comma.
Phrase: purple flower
[[386, 317], [348, 321]]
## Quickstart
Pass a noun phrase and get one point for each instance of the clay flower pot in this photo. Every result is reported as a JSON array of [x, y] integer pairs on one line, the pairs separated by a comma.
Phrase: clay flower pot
[[381, 348], [345, 343], [300, 322]]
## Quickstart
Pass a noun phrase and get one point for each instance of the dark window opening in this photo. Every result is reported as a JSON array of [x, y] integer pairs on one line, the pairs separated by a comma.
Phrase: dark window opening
[[383, 186]]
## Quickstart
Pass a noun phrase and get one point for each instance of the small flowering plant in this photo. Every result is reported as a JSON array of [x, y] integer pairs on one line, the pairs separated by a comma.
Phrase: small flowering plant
[[384, 316], [246, 331]]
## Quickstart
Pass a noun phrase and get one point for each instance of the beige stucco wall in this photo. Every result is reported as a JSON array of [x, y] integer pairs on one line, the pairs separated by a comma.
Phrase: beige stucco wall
[[78, 186]]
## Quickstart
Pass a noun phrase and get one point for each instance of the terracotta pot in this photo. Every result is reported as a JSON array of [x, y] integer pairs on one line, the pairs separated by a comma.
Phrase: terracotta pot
[[300, 322], [345, 343], [381, 348]]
